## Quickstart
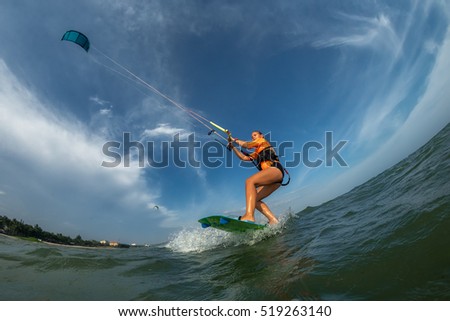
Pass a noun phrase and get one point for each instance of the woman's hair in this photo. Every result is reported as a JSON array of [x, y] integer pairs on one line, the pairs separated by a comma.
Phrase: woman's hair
[[257, 131]]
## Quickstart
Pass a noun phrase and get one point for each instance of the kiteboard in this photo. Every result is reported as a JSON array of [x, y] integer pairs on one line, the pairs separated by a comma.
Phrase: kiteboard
[[229, 224]]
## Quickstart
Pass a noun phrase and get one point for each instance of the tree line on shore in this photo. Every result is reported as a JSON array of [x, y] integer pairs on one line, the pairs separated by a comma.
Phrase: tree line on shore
[[17, 228]]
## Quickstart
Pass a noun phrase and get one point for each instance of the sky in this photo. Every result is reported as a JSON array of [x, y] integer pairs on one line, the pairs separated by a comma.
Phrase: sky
[[345, 89]]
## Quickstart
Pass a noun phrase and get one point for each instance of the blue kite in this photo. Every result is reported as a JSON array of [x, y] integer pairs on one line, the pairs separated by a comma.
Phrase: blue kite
[[78, 38]]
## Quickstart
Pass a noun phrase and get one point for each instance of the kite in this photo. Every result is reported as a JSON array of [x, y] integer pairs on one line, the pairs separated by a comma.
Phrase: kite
[[78, 38]]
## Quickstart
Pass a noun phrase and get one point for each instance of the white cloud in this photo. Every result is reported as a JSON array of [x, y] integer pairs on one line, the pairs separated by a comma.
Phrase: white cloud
[[162, 130], [378, 118], [99, 101], [430, 115], [385, 86], [55, 165], [105, 112], [431, 46], [372, 32]]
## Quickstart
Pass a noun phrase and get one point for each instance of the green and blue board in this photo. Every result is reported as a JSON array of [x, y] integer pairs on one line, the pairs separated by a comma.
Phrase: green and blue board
[[229, 224]]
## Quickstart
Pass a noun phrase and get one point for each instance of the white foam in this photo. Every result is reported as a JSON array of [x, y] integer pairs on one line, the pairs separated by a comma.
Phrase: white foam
[[200, 239]]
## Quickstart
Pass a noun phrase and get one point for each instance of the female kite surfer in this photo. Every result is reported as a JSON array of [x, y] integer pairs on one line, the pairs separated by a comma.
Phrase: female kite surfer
[[266, 181]]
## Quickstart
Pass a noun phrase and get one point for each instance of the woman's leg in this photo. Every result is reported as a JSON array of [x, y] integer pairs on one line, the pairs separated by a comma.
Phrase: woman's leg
[[262, 193], [265, 177]]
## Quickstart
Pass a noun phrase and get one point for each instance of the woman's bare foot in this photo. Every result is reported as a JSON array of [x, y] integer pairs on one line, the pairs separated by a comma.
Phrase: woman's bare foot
[[273, 221], [246, 218]]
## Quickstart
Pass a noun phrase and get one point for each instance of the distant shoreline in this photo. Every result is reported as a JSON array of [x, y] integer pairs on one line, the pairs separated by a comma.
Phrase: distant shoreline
[[78, 246], [21, 230], [55, 244]]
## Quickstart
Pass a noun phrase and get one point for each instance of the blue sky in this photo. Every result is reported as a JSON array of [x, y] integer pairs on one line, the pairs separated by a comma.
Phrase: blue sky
[[374, 73]]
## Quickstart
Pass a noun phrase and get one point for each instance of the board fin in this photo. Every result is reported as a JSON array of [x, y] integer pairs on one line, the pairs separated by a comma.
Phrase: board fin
[[223, 221], [204, 225]]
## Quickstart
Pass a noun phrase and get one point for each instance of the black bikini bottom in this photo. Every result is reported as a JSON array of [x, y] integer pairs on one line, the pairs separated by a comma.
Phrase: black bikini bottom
[[280, 167]]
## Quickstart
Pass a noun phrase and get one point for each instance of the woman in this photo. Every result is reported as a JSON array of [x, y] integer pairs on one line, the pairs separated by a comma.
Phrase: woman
[[263, 183]]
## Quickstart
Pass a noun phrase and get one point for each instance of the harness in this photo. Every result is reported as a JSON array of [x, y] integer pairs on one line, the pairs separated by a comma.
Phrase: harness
[[268, 154]]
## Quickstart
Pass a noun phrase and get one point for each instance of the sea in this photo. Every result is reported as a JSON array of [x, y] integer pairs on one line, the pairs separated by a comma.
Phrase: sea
[[387, 239]]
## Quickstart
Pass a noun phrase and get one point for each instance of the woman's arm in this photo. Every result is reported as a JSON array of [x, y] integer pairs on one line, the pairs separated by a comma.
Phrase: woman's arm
[[240, 155], [241, 143]]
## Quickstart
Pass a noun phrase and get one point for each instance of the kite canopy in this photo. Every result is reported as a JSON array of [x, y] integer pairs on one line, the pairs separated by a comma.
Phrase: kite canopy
[[78, 38]]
